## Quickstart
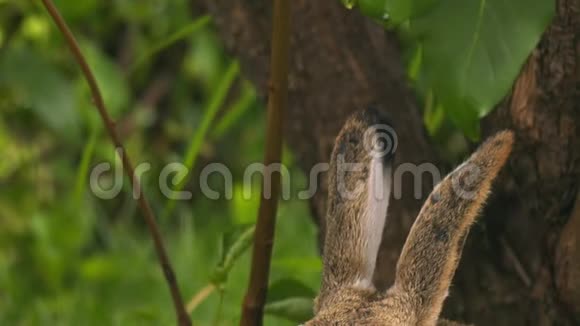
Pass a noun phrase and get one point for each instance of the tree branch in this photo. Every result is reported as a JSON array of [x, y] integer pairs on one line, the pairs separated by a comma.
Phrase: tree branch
[[182, 316], [253, 306]]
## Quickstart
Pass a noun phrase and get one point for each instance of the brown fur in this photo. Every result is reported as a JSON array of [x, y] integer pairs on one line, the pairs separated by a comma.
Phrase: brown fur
[[432, 250]]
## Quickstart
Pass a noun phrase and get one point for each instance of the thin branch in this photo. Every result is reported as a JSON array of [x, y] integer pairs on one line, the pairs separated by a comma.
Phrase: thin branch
[[200, 297], [254, 301], [517, 264], [182, 316]]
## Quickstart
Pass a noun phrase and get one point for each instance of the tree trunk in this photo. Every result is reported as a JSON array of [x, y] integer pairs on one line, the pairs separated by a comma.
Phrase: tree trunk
[[521, 264]]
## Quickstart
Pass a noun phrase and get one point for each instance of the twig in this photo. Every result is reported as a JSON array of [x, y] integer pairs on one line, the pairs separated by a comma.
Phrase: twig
[[513, 258], [254, 301], [200, 296], [182, 316]]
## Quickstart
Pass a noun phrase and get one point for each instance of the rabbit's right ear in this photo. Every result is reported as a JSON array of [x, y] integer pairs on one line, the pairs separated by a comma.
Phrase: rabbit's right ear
[[359, 192], [433, 248]]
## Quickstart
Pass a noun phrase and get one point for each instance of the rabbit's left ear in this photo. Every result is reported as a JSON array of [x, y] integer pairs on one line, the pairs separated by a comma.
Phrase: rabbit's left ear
[[354, 232], [359, 191]]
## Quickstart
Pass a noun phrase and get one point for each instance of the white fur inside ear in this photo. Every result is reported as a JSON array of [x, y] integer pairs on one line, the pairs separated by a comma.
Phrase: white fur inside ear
[[379, 192]]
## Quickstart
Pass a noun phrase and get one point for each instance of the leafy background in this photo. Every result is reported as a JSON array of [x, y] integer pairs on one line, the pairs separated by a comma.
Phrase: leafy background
[[69, 258]]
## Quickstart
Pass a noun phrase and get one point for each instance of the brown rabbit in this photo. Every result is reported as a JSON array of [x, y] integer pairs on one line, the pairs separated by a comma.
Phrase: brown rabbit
[[357, 210]]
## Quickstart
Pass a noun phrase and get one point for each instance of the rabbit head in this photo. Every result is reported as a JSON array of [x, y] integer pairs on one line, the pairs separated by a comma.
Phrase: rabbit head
[[359, 190]]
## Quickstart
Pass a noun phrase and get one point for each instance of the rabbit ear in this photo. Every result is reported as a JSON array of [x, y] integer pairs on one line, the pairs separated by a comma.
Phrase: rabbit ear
[[433, 247], [359, 191], [355, 224]]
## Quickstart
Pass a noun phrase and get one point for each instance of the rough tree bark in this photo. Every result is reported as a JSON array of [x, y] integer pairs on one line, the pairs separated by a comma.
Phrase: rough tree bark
[[521, 264]]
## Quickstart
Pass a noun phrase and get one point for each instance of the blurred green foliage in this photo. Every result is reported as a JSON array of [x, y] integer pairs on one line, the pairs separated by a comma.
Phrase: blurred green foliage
[[70, 258]]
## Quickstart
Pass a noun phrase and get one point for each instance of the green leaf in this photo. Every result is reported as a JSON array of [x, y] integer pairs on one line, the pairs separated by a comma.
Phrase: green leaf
[[38, 85], [236, 111], [373, 8], [471, 61], [76, 9], [296, 309], [167, 41], [112, 83], [288, 288], [216, 101], [471, 51]]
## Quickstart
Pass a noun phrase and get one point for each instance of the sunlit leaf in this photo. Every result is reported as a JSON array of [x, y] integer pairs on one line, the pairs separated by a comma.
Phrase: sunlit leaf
[[99, 268], [36, 27], [244, 209]]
